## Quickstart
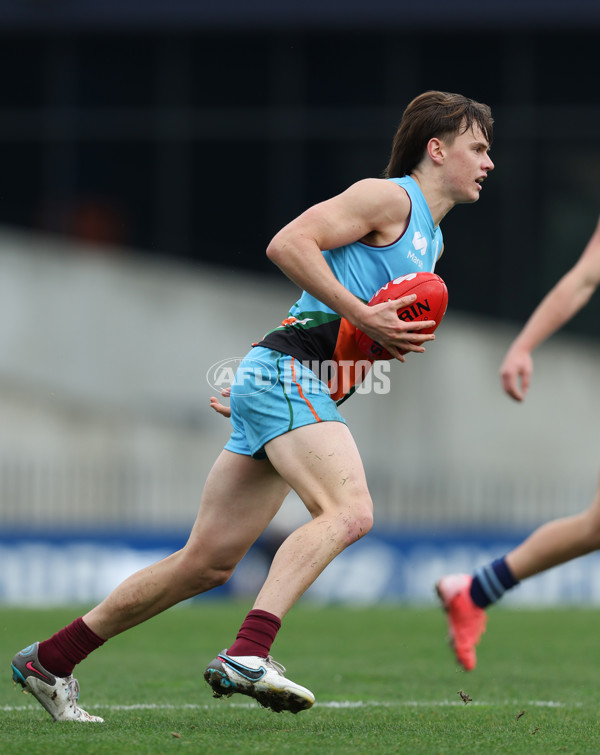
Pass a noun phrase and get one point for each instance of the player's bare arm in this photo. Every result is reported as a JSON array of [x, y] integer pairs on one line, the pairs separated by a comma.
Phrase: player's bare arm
[[372, 209], [562, 303]]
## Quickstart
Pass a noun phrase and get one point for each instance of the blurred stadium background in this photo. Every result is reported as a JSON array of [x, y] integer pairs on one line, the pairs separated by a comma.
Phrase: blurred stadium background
[[149, 152]]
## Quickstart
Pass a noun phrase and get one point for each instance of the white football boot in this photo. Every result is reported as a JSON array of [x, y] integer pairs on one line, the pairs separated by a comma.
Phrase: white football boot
[[260, 678], [58, 695]]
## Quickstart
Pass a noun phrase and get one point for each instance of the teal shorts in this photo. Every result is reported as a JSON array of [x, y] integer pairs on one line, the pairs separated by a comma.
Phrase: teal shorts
[[271, 394]]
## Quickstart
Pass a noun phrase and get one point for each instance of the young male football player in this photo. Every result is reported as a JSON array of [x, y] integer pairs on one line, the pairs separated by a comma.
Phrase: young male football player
[[466, 597], [339, 252]]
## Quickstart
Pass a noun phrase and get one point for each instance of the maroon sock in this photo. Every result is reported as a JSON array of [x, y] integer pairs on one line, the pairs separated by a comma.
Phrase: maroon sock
[[65, 649], [256, 634]]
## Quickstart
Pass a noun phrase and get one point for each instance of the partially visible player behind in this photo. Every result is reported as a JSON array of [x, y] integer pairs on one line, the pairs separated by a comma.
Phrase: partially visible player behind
[[466, 597]]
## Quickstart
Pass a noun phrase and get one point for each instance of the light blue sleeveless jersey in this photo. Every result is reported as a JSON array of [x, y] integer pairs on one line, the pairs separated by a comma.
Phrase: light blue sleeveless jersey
[[363, 269], [311, 330]]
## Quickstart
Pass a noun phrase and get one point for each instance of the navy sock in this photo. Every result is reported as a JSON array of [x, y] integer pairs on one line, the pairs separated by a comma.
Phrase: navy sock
[[491, 582]]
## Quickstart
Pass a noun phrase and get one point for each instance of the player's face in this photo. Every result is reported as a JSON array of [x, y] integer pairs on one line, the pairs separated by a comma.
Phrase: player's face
[[467, 163]]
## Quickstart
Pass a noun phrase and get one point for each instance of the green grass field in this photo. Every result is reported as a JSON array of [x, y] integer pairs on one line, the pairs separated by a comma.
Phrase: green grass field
[[384, 680]]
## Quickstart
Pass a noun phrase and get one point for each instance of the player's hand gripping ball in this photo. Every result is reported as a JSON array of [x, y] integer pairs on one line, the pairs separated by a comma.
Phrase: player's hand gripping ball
[[430, 304]]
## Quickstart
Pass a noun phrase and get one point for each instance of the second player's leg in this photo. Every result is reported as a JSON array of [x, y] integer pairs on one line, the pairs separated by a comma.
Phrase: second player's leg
[[557, 542]]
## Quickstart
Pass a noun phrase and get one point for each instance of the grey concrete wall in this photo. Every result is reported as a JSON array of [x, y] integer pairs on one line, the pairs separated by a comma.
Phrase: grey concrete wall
[[103, 364]]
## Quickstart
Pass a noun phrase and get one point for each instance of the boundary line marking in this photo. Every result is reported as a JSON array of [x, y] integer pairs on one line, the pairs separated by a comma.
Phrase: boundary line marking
[[334, 704]]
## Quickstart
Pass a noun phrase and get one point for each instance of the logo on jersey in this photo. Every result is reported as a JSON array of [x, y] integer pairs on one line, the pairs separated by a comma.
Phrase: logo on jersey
[[419, 243]]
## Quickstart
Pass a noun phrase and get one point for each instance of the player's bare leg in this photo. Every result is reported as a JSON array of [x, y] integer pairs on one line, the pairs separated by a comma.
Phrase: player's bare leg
[[557, 542], [322, 464], [240, 498], [466, 597]]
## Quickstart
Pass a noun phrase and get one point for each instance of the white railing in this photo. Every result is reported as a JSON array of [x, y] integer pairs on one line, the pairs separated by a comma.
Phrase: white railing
[[148, 496]]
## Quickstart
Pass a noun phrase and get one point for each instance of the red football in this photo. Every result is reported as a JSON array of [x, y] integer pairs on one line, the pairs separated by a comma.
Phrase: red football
[[430, 304]]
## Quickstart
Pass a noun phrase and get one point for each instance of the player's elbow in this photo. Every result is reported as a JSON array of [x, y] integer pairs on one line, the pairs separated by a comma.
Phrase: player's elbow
[[286, 247], [275, 250]]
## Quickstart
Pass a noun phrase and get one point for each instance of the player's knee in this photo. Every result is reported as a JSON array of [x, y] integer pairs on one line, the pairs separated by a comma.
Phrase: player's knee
[[206, 579], [220, 576], [589, 526], [365, 523], [198, 576], [358, 523], [593, 537]]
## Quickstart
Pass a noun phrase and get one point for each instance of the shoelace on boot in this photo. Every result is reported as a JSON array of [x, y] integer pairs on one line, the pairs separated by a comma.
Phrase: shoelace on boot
[[72, 690], [278, 667]]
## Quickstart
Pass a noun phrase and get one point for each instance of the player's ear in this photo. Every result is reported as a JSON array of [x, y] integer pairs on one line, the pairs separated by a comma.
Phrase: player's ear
[[435, 150]]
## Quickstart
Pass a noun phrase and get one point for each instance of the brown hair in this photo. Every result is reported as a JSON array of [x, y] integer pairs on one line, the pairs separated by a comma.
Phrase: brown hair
[[434, 114]]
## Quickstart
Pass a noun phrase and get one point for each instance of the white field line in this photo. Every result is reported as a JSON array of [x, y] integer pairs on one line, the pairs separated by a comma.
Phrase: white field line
[[340, 704]]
